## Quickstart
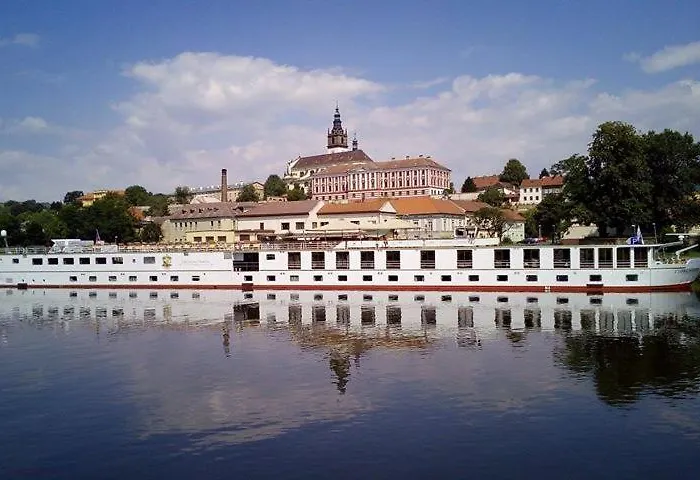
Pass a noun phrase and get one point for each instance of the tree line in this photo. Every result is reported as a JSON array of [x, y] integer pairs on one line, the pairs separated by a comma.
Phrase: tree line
[[112, 218], [627, 179]]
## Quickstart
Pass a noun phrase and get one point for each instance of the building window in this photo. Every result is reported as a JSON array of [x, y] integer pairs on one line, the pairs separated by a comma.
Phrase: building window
[[270, 278], [464, 258], [531, 278], [117, 260], [149, 260], [132, 278], [562, 278], [446, 278], [299, 225], [112, 278], [270, 256], [632, 278], [262, 225], [85, 260], [624, 257], [473, 278], [418, 278], [393, 278], [37, 261], [174, 278], [101, 261], [366, 278], [53, 261], [501, 278], [285, 225], [595, 278], [68, 261]]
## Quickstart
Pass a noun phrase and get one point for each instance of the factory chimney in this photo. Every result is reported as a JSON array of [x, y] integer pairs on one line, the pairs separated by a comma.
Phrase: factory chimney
[[224, 186]]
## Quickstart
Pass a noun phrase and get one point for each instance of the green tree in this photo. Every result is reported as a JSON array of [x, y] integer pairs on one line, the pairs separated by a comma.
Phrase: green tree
[[74, 218], [468, 186], [248, 194], [275, 186], [450, 190], [491, 220], [493, 196], [110, 216], [72, 197], [620, 192], [674, 162], [151, 233], [183, 195], [296, 193], [159, 205], [544, 173], [50, 223], [553, 216], [137, 195], [514, 172]]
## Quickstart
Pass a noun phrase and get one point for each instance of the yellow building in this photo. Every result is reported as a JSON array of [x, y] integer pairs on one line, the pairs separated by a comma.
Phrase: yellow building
[[89, 198]]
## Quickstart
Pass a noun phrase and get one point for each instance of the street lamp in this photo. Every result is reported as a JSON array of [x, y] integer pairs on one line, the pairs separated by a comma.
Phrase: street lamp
[[3, 234], [655, 239]]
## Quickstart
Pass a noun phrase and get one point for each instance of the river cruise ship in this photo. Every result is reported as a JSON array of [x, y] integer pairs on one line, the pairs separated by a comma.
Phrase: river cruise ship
[[393, 265]]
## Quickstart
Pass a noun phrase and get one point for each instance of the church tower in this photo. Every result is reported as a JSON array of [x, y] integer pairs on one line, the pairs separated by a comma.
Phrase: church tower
[[337, 137]]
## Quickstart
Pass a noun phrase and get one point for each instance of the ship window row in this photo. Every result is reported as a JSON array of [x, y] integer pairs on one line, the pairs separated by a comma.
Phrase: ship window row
[[134, 278], [83, 260], [621, 257]]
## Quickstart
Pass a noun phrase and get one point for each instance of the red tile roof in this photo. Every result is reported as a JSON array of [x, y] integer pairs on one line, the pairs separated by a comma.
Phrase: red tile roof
[[425, 205], [470, 206], [326, 160], [273, 209], [368, 206], [482, 183], [553, 181], [388, 165]]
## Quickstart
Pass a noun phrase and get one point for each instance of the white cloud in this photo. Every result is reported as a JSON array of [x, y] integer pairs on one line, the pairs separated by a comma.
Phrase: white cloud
[[23, 39], [668, 58], [196, 113]]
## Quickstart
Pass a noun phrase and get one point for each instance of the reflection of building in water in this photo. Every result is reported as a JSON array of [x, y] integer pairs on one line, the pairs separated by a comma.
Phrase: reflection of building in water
[[340, 366]]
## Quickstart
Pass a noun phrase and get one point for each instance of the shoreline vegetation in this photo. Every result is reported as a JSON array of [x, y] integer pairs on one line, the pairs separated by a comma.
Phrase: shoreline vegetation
[[627, 180]]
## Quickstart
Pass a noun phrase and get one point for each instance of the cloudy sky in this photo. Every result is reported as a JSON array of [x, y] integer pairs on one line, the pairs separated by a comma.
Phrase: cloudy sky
[[166, 93]]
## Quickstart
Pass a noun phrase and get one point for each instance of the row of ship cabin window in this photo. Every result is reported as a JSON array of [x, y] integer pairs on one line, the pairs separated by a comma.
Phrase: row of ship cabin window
[[133, 278], [444, 278]]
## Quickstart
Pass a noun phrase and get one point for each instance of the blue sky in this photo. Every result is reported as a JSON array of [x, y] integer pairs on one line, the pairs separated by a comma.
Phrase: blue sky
[[471, 83]]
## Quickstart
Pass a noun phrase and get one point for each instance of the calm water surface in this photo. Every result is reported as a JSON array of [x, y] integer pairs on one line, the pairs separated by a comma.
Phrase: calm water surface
[[214, 384]]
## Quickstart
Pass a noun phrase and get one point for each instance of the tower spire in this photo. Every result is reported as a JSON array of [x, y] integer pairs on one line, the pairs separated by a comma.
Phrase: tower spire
[[354, 141], [337, 135]]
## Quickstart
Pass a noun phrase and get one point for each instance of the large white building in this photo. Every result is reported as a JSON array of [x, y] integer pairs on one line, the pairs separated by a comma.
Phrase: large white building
[[300, 170], [533, 190]]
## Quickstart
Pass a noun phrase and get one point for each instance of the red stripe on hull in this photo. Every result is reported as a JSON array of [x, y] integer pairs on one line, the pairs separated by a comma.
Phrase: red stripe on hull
[[681, 287]]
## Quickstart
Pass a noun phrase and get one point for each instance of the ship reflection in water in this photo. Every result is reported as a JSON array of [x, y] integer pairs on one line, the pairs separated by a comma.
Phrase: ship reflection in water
[[308, 381]]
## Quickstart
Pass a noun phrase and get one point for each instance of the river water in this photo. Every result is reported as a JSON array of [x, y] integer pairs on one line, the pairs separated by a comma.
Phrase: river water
[[212, 384]]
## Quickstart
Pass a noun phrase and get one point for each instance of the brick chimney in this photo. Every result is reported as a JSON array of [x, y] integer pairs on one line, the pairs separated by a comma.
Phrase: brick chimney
[[224, 186]]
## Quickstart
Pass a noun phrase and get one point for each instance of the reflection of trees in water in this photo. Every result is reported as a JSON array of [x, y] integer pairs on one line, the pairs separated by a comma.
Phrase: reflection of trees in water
[[623, 367]]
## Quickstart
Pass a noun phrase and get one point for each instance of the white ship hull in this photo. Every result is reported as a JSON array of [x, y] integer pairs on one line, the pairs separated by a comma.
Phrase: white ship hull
[[321, 269]]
